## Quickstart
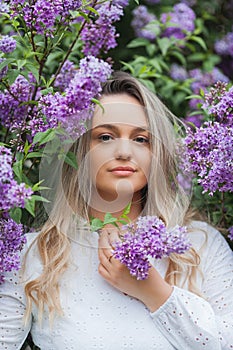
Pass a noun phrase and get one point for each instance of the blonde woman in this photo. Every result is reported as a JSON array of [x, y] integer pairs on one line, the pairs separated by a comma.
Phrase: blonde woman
[[73, 294]]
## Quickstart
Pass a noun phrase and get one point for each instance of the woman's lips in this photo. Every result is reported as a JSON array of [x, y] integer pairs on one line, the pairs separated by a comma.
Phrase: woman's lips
[[123, 171]]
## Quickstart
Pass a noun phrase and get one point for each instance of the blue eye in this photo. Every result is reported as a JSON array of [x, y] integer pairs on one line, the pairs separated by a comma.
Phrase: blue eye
[[141, 139], [105, 137]]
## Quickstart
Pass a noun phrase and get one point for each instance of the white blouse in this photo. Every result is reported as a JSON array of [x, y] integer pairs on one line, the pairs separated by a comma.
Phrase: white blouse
[[97, 316]]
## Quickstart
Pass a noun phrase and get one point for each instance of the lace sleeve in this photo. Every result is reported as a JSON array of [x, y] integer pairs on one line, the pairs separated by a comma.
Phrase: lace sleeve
[[190, 322]]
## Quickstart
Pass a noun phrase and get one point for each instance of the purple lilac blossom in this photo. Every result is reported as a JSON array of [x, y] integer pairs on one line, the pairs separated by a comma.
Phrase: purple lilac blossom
[[202, 80], [209, 154], [224, 46], [196, 119], [17, 116], [219, 103], [121, 3], [12, 241], [7, 44], [230, 236], [75, 106], [4, 70], [11, 108], [100, 36], [182, 19], [149, 237], [4, 8], [65, 76], [141, 18], [42, 15], [178, 72], [12, 194]]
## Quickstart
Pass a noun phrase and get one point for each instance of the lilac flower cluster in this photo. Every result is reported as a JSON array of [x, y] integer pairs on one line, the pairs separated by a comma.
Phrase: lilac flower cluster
[[149, 237], [42, 15], [219, 103], [202, 80], [16, 113], [210, 154], [74, 107], [179, 21], [11, 243], [11, 108], [7, 44], [224, 46], [65, 76], [100, 35], [142, 17], [178, 72], [12, 194], [208, 149]]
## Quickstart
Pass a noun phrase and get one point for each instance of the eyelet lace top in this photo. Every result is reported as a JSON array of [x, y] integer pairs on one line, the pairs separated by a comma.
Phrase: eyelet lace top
[[97, 316]]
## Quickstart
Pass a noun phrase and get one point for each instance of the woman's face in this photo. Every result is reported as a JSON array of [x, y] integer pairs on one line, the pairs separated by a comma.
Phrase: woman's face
[[120, 153]]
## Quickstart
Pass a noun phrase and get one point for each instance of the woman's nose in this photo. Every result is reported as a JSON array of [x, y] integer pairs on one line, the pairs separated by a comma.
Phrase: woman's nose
[[123, 149]]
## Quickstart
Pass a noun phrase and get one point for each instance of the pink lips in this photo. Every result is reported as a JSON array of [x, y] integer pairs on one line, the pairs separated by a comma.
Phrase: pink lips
[[123, 171]]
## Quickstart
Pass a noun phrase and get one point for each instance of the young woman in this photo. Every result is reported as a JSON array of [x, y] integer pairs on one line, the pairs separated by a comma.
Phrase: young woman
[[73, 294]]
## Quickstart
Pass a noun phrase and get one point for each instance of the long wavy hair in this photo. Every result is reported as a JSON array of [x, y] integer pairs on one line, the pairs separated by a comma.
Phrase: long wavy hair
[[162, 196]]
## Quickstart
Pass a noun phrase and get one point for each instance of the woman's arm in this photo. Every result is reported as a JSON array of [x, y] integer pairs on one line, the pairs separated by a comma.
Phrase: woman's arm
[[13, 332], [186, 320]]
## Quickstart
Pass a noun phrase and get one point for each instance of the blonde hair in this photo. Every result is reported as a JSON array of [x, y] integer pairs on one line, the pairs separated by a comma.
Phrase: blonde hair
[[162, 197]]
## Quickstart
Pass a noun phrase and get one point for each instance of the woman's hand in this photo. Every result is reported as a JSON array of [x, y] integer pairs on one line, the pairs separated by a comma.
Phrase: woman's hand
[[153, 291]]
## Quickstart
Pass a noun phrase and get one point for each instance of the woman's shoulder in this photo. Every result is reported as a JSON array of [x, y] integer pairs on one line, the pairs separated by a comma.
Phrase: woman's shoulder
[[207, 237]]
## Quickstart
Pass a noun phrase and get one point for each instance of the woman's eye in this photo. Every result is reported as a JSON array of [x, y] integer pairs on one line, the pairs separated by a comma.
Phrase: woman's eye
[[105, 137], [141, 139]]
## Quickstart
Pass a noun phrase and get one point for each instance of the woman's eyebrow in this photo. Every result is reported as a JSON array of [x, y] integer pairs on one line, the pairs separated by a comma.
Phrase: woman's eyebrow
[[115, 128]]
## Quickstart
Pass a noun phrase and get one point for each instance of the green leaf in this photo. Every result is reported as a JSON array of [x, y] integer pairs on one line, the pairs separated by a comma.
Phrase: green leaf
[[96, 224], [126, 211], [109, 219], [16, 214], [196, 57], [200, 41], [91, 9], [129, 66], [179, 56], [40, 198], [21, 63], [45, 136], [71, 159], [85, 16], [46, 91], [30, 206], [27, 147], [18, 169], [138, 42], [34, 155], [6, 62], [33, 69], [38, 187], [12, 74], [155, 63], [164, 45]]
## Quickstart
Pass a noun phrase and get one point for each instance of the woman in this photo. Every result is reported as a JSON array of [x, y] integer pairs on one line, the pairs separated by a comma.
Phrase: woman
[[75, 293]]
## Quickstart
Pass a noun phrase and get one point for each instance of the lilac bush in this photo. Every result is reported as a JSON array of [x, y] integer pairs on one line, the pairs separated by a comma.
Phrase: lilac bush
[[148, 237], [11, 233], [51, 70], [208, 149]]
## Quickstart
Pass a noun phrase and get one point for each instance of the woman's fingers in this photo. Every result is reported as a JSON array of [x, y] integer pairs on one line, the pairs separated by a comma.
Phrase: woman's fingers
[[108, 237]]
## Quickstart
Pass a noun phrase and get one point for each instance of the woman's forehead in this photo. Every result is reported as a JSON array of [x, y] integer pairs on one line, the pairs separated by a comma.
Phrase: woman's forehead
[[120, 109]]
